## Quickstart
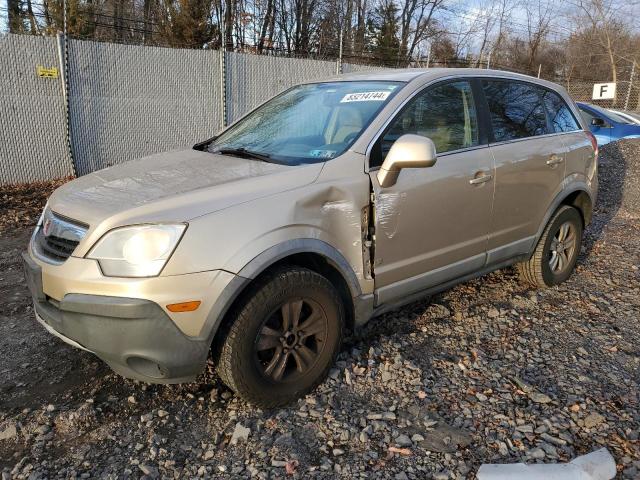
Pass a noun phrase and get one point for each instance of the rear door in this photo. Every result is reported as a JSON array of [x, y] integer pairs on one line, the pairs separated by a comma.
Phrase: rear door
[[530, 165], [432, 225], [580, 162]]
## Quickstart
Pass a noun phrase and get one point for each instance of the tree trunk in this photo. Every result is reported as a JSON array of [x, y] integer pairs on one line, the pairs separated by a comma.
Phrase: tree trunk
[[14, 16], [146, 35]]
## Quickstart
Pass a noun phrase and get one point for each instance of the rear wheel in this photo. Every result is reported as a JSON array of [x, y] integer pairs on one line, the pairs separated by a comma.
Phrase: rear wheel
[[282, 339], [557, 251]]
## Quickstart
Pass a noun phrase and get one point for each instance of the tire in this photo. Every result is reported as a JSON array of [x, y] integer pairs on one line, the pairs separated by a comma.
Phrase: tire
[[547, 267], [268, 364]]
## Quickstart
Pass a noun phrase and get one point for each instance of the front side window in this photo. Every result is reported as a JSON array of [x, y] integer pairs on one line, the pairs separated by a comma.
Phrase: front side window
[[308, 123], [587, 116], [444, 113], [562, 120], [516, 110]]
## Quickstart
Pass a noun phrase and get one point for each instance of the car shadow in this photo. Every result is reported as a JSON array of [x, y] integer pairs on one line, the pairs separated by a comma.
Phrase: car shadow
[[612, 170]]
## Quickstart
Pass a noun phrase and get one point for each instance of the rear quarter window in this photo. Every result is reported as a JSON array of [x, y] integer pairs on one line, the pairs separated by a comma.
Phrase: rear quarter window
[[560, 115], [516, 110]]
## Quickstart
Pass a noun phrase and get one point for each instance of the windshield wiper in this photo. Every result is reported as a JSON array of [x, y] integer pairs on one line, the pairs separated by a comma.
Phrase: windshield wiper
[[244, 153]]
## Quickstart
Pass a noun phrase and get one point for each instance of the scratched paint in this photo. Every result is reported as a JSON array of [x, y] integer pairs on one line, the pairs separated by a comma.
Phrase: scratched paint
[[388, 211]]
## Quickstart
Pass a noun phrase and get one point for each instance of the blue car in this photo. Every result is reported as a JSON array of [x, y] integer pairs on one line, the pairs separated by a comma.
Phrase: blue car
[[606, 125]]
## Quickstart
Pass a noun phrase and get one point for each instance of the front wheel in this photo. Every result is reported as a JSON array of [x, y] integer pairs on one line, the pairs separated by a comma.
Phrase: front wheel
[[557, 251], [283, 338]]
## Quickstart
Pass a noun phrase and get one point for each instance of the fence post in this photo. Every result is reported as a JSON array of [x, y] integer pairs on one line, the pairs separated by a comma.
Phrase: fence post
[[223, 85], [633, 71], [63, 59], [339, 61]]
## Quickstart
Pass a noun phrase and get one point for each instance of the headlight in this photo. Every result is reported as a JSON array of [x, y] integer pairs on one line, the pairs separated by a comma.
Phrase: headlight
[[137, 251]]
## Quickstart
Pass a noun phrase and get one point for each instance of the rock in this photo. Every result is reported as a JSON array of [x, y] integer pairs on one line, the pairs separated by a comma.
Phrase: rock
[[445, 439], [493, 313], [240, 433], [503, 450], [403, 441], [43, 429], [162, 413], [536, 454], [8, 431], [131, 399], [538, 397], [337, 452], [149, 470], [525, 428], [208, 455], [593, 420]]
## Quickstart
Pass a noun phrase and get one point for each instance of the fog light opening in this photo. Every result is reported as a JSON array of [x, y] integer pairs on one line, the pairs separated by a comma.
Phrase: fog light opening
[[147, 368]]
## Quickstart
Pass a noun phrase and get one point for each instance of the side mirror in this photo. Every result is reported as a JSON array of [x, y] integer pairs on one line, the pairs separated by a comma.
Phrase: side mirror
[[597, 122], [408, 151]]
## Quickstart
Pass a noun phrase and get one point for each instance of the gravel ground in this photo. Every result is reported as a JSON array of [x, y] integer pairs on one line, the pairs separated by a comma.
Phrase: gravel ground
[[489, 371]]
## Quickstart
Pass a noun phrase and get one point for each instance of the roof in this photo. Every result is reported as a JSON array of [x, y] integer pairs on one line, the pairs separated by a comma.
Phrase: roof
[[408, 74]]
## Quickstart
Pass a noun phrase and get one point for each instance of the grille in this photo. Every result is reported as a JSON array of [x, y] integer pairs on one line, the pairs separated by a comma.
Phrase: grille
[[55, 248], [60, 240]]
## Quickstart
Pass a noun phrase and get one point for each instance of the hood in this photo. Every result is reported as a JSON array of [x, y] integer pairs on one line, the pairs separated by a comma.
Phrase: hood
[[174, 186]]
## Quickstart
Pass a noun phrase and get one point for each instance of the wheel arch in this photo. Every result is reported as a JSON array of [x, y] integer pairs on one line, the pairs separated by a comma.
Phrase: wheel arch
[[313, 254], [579, 197]]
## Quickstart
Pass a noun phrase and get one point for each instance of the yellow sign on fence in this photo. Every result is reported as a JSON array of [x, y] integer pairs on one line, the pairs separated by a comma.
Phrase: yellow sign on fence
[[44, 72]]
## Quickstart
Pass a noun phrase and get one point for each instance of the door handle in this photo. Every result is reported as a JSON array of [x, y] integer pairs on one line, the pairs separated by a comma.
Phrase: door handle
[[554, 160], [479, 179]]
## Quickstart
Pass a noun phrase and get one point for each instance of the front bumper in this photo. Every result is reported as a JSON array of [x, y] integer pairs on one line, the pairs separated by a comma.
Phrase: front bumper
[[134, 336]]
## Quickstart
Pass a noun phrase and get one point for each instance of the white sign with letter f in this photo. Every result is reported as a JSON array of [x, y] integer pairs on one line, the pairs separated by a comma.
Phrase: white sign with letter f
[[604, 91]]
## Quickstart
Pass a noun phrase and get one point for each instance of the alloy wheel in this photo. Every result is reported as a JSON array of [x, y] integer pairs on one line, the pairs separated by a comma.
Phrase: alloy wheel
[[562, 248], [291, 339]]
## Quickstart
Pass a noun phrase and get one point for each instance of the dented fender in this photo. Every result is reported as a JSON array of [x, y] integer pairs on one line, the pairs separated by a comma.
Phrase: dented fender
[[328, 216]]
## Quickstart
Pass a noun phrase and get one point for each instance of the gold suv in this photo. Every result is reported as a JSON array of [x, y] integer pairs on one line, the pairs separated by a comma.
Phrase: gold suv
[[329, 204]]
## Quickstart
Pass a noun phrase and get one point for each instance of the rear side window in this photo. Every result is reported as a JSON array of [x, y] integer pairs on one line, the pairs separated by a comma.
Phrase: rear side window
[[445, 113], [516, 110], [562, 120]]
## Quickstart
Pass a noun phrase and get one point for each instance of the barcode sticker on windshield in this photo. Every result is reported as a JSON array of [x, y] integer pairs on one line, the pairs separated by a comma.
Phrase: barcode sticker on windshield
[[365, 97]]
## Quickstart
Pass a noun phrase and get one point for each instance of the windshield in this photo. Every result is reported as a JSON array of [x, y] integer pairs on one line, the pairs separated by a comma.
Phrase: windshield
[[308, 123]]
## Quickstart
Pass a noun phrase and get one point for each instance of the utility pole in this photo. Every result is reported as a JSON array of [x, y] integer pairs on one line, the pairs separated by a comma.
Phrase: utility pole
[[489, 60], [539, 69], [428, 54], [633, 71]]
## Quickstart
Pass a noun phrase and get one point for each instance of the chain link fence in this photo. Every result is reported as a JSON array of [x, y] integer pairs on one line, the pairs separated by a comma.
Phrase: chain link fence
[[627, 94], [126, 101], [33, 142]]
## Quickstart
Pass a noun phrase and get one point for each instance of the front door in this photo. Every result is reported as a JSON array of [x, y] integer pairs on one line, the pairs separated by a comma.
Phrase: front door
[[432, 225]]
